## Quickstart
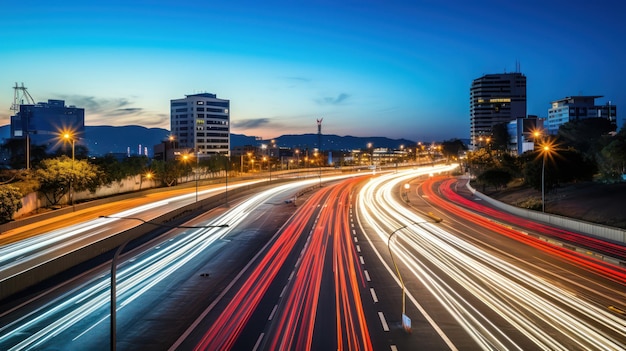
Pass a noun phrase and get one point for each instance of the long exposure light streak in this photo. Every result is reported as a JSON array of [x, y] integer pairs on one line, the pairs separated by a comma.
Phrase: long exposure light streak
[[296, 319], [135, 278], [548, 315]]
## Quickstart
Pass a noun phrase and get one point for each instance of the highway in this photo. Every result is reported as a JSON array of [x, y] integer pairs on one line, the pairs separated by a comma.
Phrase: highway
[[75, 315], [305, 292], [472, 287], [321, 275]]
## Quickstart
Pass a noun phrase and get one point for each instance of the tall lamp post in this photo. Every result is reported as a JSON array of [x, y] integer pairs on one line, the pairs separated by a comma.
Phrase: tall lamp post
[[67, 136], [544, 151], [406, 321], [114, 271]]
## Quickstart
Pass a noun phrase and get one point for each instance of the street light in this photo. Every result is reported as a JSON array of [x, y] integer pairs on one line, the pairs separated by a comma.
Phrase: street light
[[406, 191], [406, 321], [186, 159], [69, 137], [544, 151], [114, 270]]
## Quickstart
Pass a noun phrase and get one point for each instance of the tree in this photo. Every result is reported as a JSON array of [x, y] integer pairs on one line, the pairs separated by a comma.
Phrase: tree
[[452, 148], [10, 202], [500, 137], [55, 175], [115, 170], [496, 177], [480, 160], [167, 172], [561, 166], [612, 157], [584, 135]]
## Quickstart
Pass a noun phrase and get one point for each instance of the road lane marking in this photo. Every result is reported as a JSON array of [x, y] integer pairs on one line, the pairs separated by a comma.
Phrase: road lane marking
[[356, 240], [291, 275], [367, 275], [374, 297], [361, 259], [282, 292], [393, 348], [272, 314], [258, 342], [383, 321], [358, 248]]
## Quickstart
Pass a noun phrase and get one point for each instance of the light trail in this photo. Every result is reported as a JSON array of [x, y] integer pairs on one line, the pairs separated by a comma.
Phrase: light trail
[[295, 318], [135, 278], [545, 312]]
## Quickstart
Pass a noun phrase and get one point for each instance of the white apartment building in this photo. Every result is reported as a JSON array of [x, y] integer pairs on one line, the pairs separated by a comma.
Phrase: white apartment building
[[201, 123], [577, 107]]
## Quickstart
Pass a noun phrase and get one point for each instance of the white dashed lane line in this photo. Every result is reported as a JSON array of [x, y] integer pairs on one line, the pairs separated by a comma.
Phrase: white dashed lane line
[[374, 297], [383, 321]]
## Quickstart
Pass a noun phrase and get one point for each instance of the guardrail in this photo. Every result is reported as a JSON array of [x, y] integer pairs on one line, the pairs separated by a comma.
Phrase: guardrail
[[592, 229]]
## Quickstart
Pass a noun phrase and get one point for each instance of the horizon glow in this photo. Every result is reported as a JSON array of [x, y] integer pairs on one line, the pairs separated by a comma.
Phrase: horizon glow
[[399, 69]]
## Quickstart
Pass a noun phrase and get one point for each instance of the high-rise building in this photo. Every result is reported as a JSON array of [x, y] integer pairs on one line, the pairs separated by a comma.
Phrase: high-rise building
[[44, 122], [578, 107], [495, 99], [201, 123]]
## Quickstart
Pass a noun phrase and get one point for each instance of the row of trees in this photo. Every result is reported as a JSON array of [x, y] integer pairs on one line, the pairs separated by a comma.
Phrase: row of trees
[[583, 150], [54, 175]]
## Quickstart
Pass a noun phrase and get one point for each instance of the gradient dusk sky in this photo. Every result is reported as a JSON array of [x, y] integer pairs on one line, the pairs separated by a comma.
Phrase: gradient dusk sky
[[398, 69]]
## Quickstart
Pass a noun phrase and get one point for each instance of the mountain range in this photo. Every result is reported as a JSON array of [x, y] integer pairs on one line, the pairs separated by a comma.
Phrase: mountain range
[[101, 140]]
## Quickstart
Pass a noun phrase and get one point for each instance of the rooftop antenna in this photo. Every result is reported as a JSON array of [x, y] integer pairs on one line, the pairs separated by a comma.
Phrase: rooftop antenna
[[19, 95]]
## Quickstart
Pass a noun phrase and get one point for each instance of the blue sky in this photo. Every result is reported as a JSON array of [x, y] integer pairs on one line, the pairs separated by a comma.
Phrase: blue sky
[[400, 69]]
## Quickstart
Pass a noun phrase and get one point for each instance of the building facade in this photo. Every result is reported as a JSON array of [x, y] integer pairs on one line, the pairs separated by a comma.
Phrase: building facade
[[495, 99], [201, 123], [521, 134], [43, 123], [578, 107]]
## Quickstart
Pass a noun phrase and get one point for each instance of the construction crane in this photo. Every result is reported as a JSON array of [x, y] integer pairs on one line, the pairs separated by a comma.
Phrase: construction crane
[[20, 94]]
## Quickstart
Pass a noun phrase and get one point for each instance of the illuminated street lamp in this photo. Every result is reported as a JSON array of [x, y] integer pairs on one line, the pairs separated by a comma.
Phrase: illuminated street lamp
[[546, 149], [406, 191], [186, 158], [148, 176], [69, 137]]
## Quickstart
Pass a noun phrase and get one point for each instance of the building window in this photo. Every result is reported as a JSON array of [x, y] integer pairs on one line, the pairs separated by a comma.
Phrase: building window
[[199, 102]]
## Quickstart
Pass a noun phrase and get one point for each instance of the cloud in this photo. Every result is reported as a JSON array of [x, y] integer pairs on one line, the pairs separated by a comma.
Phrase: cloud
[[115, 111], [251, 123], [340, 99]]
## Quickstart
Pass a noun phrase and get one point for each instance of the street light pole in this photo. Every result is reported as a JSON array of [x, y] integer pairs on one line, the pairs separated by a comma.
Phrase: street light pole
[[543, 180], [113, 327], [406, 321], [69, 137]]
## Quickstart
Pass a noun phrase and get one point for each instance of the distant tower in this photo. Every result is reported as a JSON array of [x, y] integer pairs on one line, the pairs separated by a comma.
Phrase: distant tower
[[19, 94], [319, 134]]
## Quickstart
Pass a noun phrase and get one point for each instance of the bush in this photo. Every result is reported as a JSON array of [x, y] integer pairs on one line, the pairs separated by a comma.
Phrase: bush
[[10, 202], [531, 203]]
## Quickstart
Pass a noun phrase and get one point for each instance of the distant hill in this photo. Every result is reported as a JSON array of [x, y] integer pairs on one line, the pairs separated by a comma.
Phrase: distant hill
[[101, 140]]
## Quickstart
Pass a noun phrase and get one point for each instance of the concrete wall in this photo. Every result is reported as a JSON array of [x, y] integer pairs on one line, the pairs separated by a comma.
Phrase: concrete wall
[[597, 230]]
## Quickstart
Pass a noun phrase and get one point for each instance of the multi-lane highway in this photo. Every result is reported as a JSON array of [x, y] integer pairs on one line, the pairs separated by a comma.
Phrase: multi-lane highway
[[327, 280], [161, 284], [476, 288]]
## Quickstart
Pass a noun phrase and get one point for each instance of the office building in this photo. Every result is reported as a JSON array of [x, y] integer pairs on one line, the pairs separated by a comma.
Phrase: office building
[[578, 107], [521, 133], [495, 99], [44, 122], [201, 123]]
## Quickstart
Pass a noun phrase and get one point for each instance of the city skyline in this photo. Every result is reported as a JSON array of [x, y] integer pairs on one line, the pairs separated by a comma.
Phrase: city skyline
[[399, 69]]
